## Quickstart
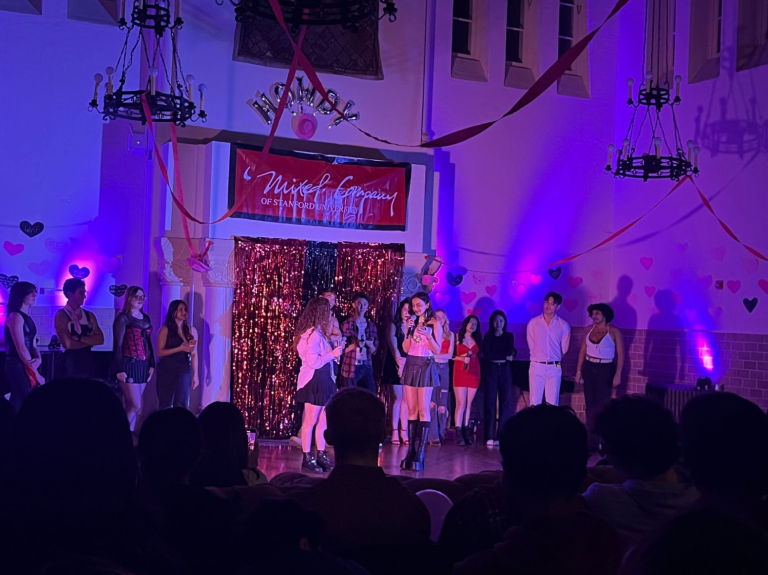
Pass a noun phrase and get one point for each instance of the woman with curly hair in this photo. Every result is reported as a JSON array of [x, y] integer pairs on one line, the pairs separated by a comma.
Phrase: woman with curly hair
[[317, 378]]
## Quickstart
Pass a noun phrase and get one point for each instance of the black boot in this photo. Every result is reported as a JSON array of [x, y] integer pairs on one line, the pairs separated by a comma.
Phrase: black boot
[[461, 434], [323, 461], [413, 429], [466, 431], [310, 464], [418, 463]]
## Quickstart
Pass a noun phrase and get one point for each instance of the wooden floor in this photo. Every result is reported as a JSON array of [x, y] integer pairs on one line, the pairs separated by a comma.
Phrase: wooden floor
[[443, 461]]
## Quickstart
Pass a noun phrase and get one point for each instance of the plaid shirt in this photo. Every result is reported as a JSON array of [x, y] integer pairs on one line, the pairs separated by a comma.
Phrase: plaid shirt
[[349, 331]]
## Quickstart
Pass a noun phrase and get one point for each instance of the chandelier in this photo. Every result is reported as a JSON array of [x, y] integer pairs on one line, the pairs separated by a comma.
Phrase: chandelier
[[648, 150], [149, 20], [346, 13]]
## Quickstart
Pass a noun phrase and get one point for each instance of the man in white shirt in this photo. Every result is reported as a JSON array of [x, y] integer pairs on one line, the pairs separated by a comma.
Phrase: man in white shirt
[[548, 339]]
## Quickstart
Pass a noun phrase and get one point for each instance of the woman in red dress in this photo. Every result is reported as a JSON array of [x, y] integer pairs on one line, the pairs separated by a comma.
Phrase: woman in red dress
[[466, 375]]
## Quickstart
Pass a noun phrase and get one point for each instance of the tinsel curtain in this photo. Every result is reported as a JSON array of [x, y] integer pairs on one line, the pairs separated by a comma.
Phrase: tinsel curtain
[[376, 270], [319, 269], [268, 301]]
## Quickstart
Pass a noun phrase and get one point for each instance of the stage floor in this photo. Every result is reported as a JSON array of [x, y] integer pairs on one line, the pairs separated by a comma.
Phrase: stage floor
[[443, 461]]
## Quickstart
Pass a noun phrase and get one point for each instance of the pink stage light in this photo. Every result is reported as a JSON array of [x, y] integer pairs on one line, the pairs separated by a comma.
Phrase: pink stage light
[[705, 354]]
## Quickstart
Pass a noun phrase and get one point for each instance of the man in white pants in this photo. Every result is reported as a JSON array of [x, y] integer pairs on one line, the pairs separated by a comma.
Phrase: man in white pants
[[548, 339]]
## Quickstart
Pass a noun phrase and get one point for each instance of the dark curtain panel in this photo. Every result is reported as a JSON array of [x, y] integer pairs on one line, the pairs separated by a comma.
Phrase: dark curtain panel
[[319, 269]]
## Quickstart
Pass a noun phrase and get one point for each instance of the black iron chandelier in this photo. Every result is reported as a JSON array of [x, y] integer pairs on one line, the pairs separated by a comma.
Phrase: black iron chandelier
[[654, 157], [149, 20], [346, 13]]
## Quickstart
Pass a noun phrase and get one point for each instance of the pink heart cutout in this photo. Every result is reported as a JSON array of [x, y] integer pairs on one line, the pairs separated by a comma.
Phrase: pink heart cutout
[[719, 253], [13, 249], [650, 290], [646, 262], [763, 285], [597, 274], [40, 269], [442, 298], [490, 290], [705, 281], [750, 264], [716, 312], [682, 247], [535, 279], [109, 265], [519, 288], [471, 311], [632, 299], [676, 274], [734, 285], [55, 246], [574, 282], [468, 298], [571, 304]]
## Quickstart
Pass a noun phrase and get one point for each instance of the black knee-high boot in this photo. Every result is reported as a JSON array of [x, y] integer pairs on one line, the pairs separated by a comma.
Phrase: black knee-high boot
[[418, 462], [413, 429]]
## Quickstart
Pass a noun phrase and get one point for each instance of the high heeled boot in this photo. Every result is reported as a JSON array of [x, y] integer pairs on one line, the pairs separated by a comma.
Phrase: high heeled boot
[[413, 429], [466, 432], [323, 460], [418, 462], [461, 434], [310, 463]]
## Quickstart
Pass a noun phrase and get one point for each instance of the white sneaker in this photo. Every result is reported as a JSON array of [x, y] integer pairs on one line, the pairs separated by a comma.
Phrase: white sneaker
[[489, 443]]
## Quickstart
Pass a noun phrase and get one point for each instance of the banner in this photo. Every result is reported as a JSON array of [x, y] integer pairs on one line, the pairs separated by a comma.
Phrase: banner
[[318, 190]]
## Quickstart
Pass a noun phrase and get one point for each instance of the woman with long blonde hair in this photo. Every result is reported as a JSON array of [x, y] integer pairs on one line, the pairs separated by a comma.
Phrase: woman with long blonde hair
[[439, 404], [317, 379]]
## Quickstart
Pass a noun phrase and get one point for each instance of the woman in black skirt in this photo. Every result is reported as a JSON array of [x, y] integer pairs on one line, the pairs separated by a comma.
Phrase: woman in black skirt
[[134, 358], [78, 331], [177, 368], [317, 378], [420, 375], [22, 358]]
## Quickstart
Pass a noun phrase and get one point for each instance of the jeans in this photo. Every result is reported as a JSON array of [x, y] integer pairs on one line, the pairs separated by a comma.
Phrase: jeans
[[440, 398], [598, 383], [173, 389], [497, 380]]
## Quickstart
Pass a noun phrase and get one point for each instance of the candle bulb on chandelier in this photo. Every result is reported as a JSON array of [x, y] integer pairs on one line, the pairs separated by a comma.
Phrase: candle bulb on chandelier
[[657, 145], [696, 151], [630, 83], [152, 81], [678, 79], [177, 9], [98, 78], [611, 148], [202, 89], [120, 10], [649, 80], [110, 72], [190, 83], [690, 150], [626, 147]]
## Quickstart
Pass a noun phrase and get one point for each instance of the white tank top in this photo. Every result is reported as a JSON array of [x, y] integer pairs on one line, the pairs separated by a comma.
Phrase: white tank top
[[606, 349]]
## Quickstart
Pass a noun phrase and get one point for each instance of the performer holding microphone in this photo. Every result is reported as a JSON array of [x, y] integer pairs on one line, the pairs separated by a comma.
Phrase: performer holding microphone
[[466, 380], [420, 375]]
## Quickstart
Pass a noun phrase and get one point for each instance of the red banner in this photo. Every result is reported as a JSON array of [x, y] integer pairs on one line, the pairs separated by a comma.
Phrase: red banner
[[318, 190]]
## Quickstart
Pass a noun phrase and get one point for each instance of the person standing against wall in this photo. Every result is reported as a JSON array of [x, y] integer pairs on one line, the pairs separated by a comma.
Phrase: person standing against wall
[[78, 331], [177, 369], [549, 337]]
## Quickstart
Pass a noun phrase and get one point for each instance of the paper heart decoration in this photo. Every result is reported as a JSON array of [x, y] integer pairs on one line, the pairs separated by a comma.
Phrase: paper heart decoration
[[454, 280], [750, 304], [534, 308], [555, 273], [55, 246], [597, 274], [109, 265], [518, 288], [535, 279], [471, 311], [8, 281], [676, 274], [632, 299], [118, 291], [39, 269], [719, 253], [13, 249], [716, 312], [570, 304], [763, 285], [78, 272], [31, 230], [490, 290], [705, 281], [468, 298], [650, 290], [750, 264], [594, 297], [734, 285], [574, 282], [646, 262], [682, 247], [442, 299]]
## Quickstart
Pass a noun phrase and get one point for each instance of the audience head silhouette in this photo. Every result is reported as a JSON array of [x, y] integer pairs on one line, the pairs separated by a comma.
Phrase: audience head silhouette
[[725, 445], [356, 424], [544, 455], [169, 446], [639, 436], [224, 447]]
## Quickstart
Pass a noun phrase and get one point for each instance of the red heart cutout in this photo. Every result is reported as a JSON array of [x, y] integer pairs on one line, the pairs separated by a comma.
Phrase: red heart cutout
[[535, 279], [468, 298], [490, 290], [571, 304], [597, 274], [13, 249], [574, 282], [442, 298], [650, 290], [734, 285], [763, 284], [646, 262]]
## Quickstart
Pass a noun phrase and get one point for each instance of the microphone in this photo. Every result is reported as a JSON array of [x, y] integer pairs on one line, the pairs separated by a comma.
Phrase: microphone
[[466, 365], [415, 319]]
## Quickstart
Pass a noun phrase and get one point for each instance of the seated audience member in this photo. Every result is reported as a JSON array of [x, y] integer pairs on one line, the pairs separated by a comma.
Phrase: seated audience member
[[639, 438], [226, 460], [69, 486], [169, 447], [701, 542], [544, 457], [285, 538], [725, 445], [359, 505]]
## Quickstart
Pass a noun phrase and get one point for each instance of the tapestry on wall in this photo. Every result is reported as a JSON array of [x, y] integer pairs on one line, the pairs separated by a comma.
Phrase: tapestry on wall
[[312, 189], [329, 48], [275, 278]]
